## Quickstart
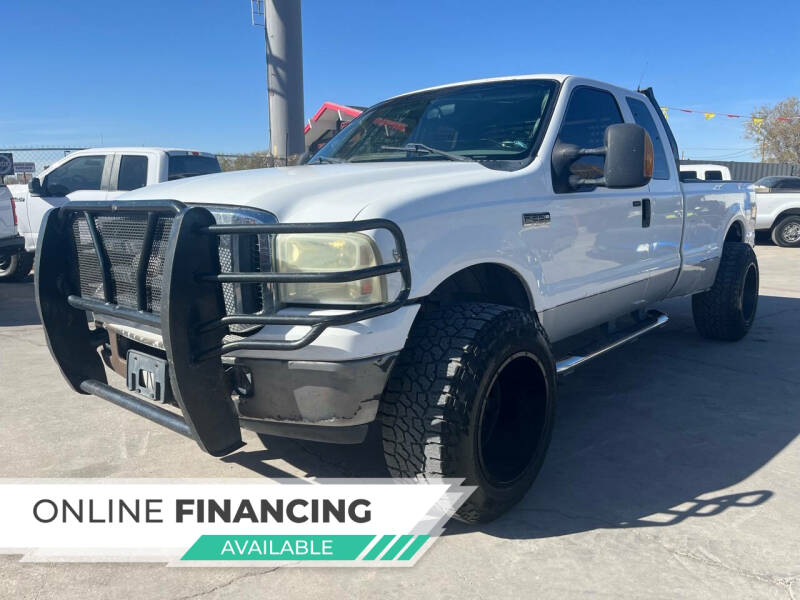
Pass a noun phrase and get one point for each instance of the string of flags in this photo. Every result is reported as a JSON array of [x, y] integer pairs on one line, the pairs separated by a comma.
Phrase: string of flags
[[707, 115]]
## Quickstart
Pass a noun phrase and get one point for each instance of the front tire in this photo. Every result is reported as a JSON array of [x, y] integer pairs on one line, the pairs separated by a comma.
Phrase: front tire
[[472, 395], [726, 311], [787, 232], [16, 266]]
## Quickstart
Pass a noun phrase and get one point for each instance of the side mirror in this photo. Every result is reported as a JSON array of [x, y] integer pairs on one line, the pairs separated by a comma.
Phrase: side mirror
[[35, 187], [629, 156], [628, 153]]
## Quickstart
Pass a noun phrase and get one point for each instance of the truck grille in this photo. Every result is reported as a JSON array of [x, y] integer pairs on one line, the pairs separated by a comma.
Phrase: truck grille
[[122, 237]]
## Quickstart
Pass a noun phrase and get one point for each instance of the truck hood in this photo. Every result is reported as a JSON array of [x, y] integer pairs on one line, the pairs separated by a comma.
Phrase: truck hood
[[316, 193]]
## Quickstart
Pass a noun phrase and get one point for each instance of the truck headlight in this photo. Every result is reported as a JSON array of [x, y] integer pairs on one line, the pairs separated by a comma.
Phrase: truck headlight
[[244, 253], [327, 253]]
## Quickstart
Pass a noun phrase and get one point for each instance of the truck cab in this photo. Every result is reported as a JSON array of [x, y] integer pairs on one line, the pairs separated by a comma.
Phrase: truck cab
[[98, 174], [704, 172]]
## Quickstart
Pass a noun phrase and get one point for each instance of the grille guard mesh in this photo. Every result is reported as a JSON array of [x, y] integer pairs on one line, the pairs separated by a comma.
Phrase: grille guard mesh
[[122, 253], [83, 263]]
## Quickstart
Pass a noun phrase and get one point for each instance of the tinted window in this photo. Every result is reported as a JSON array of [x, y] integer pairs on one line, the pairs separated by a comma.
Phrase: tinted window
[[132, 172], [779, 183], [688, 175], [190, 165], [713, 175], [767, 181], [788, 183], [589, 114], [643, 118], [81, 173]]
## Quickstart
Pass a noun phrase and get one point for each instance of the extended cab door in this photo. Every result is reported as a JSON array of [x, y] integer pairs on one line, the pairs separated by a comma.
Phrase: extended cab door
[[131, 171], [664, 222], [593, 252], [83, 177]]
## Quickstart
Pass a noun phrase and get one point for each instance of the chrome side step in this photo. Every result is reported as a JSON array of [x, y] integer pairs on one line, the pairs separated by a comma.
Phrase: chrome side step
[[653, 320]]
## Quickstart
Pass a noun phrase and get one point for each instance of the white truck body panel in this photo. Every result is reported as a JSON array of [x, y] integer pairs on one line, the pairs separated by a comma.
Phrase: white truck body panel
[[773, 204], [593, 262]]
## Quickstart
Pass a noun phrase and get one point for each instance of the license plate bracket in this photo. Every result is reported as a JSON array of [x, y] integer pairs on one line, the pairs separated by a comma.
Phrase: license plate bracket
[[148, 376]]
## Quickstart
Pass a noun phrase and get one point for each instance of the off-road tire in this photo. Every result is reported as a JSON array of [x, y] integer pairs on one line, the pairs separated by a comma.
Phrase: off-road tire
[[785, 232], [436, 405], [16, 266], [726, 311]]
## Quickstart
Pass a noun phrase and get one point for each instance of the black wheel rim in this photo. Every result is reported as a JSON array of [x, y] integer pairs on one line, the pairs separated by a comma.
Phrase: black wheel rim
[[750, 293], [5, 262], [513, 419]]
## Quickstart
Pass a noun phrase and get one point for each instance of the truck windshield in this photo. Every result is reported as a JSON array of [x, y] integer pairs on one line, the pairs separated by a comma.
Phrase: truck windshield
[[190, 165], [496, 122]]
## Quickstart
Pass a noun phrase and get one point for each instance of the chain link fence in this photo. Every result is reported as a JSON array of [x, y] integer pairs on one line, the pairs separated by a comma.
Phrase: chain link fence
[[30, 161]]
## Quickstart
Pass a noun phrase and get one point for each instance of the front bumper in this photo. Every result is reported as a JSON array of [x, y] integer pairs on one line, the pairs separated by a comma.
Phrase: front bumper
[[192, 321], [313, 400]]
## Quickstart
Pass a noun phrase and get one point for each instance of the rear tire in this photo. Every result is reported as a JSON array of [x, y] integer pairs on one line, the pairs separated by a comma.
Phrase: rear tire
[[786, 232], [726, 311], [472, 395], [16, 266]]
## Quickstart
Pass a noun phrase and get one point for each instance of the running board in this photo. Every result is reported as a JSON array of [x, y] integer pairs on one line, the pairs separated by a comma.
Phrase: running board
[[653, 320]]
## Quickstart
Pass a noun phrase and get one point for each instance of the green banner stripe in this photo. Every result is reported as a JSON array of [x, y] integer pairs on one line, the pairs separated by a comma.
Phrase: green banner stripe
[[396, 547], [413, 547], [378, 547], [278, 547]]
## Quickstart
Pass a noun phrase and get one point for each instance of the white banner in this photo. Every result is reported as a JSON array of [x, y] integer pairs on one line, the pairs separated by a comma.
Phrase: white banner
[[237, 522]]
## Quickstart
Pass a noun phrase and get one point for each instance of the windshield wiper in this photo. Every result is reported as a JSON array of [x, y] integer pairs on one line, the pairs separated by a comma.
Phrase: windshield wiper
[[423, 149], [327, 159]]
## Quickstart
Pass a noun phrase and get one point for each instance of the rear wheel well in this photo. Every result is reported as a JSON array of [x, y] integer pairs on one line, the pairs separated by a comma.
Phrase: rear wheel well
[[787, 213], [487, 282], [735, 233]]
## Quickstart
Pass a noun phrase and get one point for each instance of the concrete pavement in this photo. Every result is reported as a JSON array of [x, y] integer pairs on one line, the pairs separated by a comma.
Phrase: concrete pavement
[[673, 472]]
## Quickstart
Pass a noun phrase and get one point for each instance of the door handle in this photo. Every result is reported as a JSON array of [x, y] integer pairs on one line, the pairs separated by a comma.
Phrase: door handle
[[646, 212]]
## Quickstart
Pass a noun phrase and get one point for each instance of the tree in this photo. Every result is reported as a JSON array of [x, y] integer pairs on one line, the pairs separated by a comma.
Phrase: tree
[[778, 134]]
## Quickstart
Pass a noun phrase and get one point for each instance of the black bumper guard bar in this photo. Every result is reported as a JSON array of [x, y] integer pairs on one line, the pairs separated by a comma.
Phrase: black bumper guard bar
[[192, 320]]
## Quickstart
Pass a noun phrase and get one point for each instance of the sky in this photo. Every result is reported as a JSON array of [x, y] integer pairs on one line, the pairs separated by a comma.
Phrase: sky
[[192, 73]]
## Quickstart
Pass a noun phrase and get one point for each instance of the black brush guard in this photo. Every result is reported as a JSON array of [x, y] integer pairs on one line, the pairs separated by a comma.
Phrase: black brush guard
[[192, 320]]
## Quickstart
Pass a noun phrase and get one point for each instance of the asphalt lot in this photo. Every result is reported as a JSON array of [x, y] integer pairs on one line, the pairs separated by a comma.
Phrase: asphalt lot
[[673, 472]]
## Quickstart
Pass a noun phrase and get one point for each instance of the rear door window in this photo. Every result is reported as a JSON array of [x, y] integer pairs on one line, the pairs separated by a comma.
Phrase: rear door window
[[191, 165], [589, 113], [643, 118], [713, 175], [132, 172]]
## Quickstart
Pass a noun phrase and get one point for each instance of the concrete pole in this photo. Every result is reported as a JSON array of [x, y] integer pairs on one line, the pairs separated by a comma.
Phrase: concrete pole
[[284, 35]]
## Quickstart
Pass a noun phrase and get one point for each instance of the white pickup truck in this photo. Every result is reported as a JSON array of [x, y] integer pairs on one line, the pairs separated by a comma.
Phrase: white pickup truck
[[705, 172], [98, 174], [11, 243], [778, 201], [433, 267]]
